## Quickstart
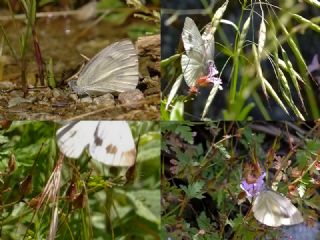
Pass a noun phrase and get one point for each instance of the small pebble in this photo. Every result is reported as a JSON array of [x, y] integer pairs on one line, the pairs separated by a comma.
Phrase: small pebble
[[44, 103], [17, 101], [47, 92], [130, 96], [86, 100], [74, 97], [106, 99], [56, 93], [16, 93], [6, 85], [60, 102]]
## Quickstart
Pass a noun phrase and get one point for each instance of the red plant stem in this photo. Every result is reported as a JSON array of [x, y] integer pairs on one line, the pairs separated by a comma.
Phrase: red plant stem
[[38, 56], [23, 77]]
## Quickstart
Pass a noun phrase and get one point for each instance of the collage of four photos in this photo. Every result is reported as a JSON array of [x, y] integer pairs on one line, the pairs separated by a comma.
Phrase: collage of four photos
[[160, 119]]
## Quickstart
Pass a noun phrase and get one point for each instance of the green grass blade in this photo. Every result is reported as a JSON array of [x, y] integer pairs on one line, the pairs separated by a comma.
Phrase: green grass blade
[[275, 96], [259, 69], [313, 2], [218, 16], [177, 112], [174, 90], [287, 94], [308, 23], [293, 77], [212, 94]]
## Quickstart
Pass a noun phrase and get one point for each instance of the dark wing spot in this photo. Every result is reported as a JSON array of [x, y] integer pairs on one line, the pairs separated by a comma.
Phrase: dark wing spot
[[97, 139], [111, 149]]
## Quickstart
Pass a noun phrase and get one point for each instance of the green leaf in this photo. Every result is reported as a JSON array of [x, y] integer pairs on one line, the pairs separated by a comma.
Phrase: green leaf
[[212, 94], [170, 60], [185, 132], [147, 204], [174, 90], [223, 150], [313, 145], [50, 74], [177, 112], [3, 139], [203, 221], [105, 4], [194, 190]]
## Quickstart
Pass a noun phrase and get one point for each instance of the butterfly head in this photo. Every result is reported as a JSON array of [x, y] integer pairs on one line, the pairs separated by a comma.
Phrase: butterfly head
[[80, 91]]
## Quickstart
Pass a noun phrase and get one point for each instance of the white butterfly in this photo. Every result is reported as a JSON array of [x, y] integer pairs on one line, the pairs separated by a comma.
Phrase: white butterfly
[[274, 210], [114, 69], [109, 142], [199, 53]]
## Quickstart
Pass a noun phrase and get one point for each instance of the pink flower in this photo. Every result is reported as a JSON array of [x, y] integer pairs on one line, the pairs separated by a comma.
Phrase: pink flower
[[252, 189], [314, 66]]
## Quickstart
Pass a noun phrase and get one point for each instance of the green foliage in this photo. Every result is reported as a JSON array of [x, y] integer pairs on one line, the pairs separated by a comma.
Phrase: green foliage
[[177, 112], [105, 207], [51, 82], [116, 17], [121, 12], [201, 193], [184, 130], [194, 190], [141, 29]]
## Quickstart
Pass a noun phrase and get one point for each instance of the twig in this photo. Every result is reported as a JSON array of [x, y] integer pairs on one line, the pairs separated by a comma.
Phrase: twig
[[132, 105]]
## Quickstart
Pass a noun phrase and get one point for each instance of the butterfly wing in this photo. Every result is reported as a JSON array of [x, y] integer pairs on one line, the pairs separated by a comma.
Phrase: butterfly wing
[[113, 144], [272, 209], [192, 40], [192, 69], [194, 63], [114, 69], [74, 137]]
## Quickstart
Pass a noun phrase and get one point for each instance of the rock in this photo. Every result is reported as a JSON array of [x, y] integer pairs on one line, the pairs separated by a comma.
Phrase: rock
[[16, 93], [44, 102], [106, 99], [17, 101], [149, 45], [74, 97], [56, 93], [86, 100], [59, 102], [131, 96], [47, 92], [6, 85]]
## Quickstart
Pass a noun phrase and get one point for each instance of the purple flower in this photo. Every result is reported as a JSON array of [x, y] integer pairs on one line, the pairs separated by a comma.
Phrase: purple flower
[[314, 66], [212, 75], [213, 71], [252, 189]]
